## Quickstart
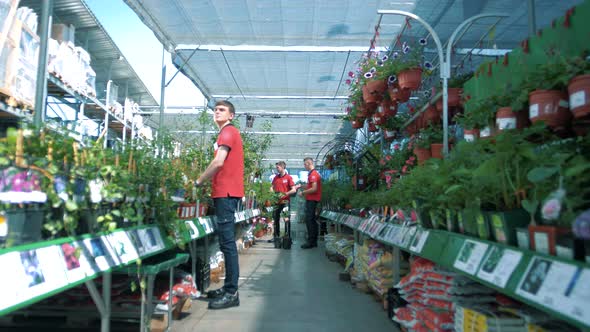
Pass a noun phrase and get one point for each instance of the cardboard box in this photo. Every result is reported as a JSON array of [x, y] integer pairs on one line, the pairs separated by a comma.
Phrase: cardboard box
[[63, 32], [7, 14]]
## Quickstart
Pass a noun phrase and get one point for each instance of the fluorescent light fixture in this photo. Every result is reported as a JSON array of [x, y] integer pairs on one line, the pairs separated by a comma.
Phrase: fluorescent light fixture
[[401, 3], [267, 48], [279, 97]]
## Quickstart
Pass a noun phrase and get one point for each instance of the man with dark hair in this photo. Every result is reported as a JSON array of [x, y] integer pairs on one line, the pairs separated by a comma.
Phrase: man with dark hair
[[227, 173], [282, 183], [313, 194]]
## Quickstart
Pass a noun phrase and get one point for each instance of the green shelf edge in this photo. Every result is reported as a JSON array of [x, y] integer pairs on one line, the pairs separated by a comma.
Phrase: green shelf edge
[[168, 245], [442, 247]]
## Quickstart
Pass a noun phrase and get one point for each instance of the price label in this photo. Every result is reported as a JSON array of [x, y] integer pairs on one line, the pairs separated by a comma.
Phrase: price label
[[408, 236], [498, 266], [578, 293], [470, 256], [192, 229], [419, 240], [533, 111], [578, 99]]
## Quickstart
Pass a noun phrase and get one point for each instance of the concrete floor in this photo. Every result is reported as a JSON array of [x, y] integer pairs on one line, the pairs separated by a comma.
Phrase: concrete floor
[[289, 290]]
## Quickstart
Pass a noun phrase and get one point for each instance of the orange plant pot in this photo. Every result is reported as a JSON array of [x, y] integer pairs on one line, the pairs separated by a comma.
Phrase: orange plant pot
[[549, 106], [436, 150], [398, 94], [373, 91], [410, 79], [454, 99], [579, 96], [379, 119], [422, 155]]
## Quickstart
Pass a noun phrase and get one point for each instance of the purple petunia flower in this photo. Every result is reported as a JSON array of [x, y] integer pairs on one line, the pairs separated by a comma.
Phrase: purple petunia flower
[[404, 45], [422, 41], [384, 58], [395, 55], [406, 49], [391, 79], [368, 74], [379, 63], [372, 70], [427, 65]]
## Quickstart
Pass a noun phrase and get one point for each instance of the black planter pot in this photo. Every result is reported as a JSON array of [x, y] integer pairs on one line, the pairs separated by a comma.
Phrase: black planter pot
[[504, 224], [24, 225]]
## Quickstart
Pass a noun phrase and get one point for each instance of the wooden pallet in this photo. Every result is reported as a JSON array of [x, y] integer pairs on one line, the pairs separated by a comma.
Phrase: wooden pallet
[[10, 101]]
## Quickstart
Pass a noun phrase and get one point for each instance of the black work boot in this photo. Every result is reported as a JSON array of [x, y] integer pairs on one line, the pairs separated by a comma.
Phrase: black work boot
[[215, 294]]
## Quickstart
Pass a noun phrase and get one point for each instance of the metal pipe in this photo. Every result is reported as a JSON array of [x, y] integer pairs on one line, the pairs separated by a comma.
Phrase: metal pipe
[[532, 18], [162, 92], [446, 73], [105, 319], [41, 88]]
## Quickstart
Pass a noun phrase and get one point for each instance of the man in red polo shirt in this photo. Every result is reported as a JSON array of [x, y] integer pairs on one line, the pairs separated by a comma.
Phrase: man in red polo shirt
[[227, 173], [313, 194], [282, 183]]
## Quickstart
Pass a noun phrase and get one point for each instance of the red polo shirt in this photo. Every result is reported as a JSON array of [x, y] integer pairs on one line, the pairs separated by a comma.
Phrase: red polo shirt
[[282, 184], [314, 176], [229, 180]]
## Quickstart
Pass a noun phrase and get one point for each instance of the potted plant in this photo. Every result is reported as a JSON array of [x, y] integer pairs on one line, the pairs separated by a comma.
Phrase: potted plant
[[454, 90], [579, 86], [410, 65]]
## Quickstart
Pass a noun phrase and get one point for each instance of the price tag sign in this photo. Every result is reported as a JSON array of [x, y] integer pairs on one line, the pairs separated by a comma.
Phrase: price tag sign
[[558, 286], [419, 240], [192, 229], [470, 255], [498, 266], [408, 236]]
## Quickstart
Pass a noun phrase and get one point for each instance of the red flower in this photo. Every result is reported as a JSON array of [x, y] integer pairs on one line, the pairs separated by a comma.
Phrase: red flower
[[412, 158], [388, 157], [350, 74], [404, 169], [348, 82], [396, 147]]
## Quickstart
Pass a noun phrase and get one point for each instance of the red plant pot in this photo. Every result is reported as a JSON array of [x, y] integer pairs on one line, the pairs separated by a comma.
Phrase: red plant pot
[[579, 93], [398, 94], [436, 150], [470, 135], [388, 107], [373, 91], [549, 106], [454, 99], [422, 155], [431, 116], [357, 124], [378, 119], [410, 79]]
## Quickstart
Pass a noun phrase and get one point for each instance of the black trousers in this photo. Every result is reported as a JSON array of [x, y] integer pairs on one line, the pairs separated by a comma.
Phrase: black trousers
[[276, 217], [311, 223]]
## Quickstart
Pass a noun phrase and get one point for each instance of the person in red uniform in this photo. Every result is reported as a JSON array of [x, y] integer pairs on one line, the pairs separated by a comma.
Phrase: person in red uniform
[[282, 183], [227, 173], [312, 194]]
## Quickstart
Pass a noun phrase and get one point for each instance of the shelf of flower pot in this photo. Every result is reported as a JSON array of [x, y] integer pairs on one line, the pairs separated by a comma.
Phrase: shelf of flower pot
[[42, 269]]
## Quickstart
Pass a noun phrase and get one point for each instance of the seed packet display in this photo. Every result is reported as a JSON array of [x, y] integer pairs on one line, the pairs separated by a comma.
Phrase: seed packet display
[[192, 229], [151, 239], [76, 261], [38, 272], [205, 222], [9, 279], [498, 266], [134, 237], [470, 256], [122, 246], [100, 254], [419, 240]]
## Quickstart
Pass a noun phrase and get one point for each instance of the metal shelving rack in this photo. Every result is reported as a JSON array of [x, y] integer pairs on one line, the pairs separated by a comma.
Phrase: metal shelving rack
[[445, 248]]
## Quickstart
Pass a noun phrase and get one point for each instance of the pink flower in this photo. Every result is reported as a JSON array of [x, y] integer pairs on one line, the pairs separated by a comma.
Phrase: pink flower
[[381, 162], [350, 74], [348, 82], [404, 169], [396, 147], [551, 209], [388, 157], [412, 158]]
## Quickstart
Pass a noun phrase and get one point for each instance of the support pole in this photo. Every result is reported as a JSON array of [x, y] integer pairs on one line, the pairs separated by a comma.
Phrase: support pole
[[162, 92], [41, 88], [532, 18]]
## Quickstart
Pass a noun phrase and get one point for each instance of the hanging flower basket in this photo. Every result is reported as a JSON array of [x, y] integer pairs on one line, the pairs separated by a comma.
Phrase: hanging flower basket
[[579, 96], [378, 119], [357, 124], [410, 79], [388, 107], [373, 91], [551, 107], [454, 99], [398, 94]]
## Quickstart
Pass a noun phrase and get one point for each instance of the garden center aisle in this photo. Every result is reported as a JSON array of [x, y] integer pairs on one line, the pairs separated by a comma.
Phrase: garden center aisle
[[290, 290]]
